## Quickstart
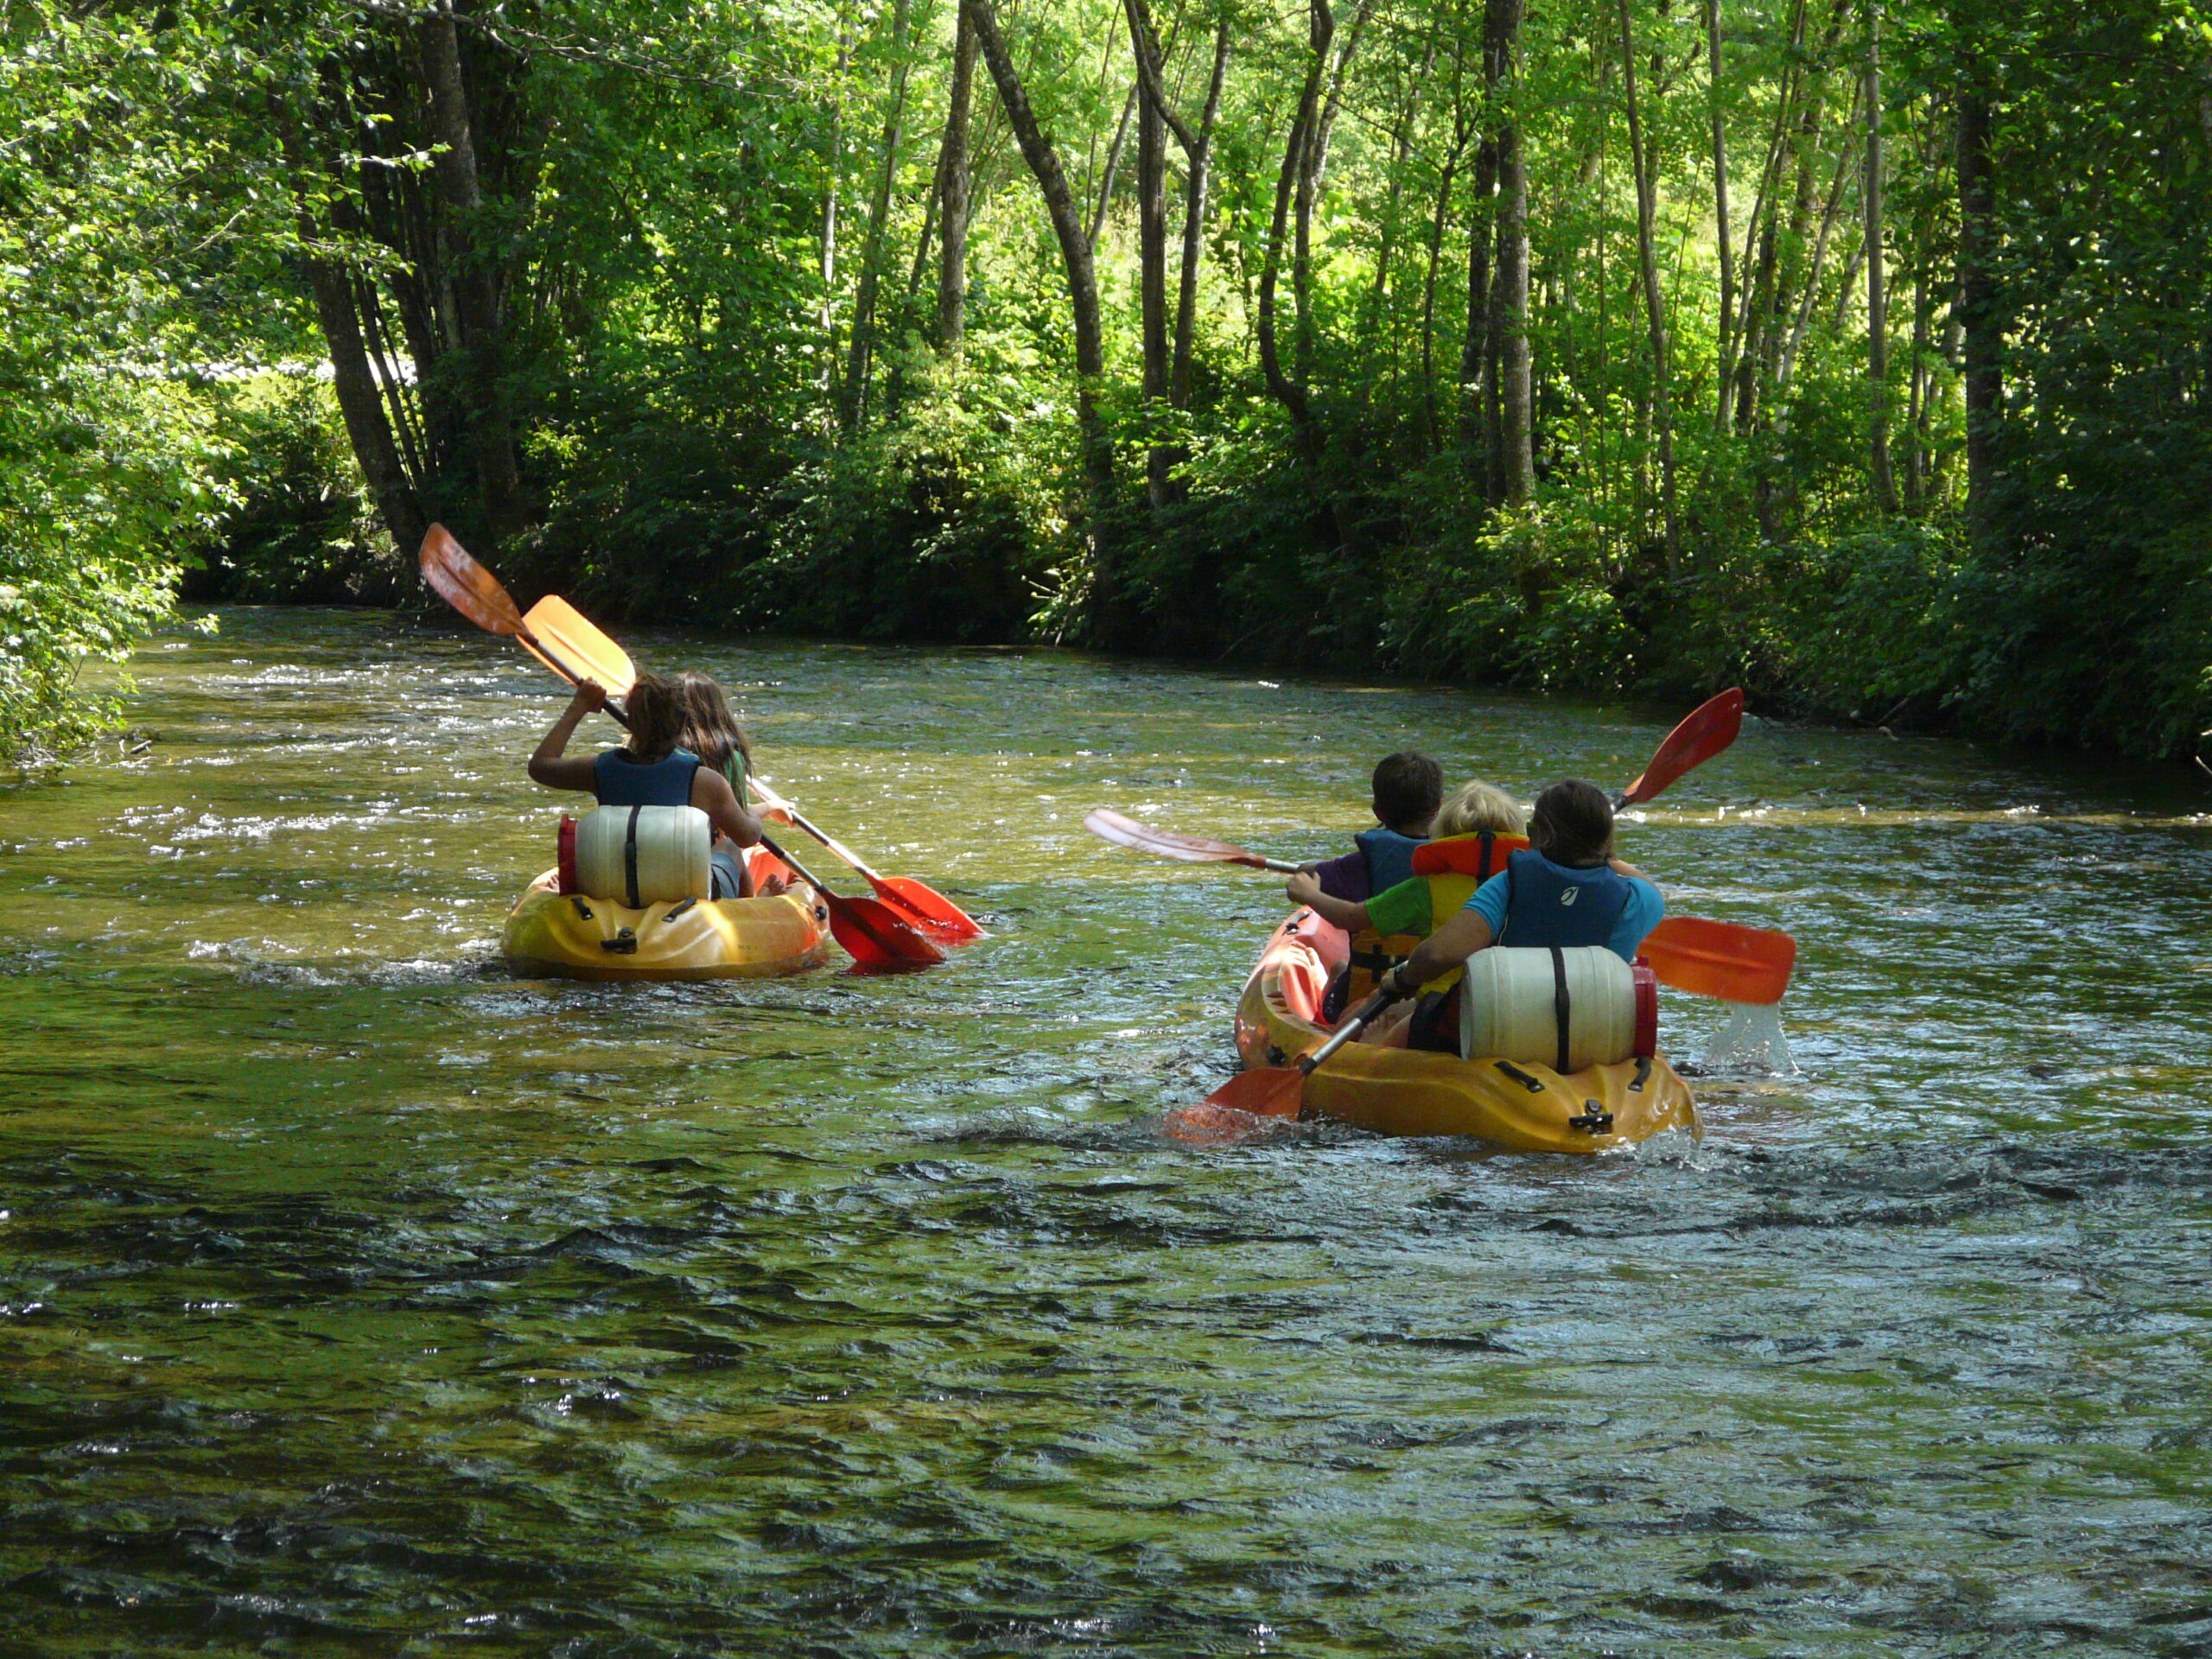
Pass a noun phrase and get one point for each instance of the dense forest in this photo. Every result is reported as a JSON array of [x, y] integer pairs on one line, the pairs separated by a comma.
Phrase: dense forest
[[1857, 350]]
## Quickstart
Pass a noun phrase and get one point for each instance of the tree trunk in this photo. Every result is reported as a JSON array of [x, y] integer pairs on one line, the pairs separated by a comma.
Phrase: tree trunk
[[476, 294], [1200, 157], [862, 344], [1878, 308], [1654, 306], [1475, 387], [1293, 177], [1152, 279], [1513, 436], [1723, 368], [1979, 299], [954, 180], [1106, 604]]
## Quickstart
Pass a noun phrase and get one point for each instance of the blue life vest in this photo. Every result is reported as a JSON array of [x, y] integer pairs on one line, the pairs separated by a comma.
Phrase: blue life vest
[[1390, 857], [620, 781], [1548, 904]]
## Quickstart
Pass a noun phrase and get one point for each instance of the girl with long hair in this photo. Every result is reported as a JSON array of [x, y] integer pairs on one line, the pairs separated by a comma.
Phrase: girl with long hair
[[653, 769], [711, 731]]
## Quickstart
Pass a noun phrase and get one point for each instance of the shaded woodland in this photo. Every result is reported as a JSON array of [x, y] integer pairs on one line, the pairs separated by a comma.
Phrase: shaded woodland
[[1855, 350]]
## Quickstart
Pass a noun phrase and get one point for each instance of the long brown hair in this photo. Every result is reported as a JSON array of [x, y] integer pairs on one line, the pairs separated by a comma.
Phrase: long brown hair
[[710, 731], [655, 707]]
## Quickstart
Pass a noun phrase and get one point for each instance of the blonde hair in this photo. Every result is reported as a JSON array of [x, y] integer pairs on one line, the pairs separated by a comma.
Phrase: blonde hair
[[1478, 806]]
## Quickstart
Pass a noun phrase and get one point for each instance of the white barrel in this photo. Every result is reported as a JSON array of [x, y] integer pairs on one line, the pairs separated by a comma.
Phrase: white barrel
[[638, 856], [1511, 1009]]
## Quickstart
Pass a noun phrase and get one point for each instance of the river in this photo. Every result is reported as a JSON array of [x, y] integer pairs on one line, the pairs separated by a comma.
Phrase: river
[[356, 1299]]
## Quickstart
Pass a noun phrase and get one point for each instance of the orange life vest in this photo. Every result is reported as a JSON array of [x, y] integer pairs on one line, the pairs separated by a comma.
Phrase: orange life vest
[[1453, 868]]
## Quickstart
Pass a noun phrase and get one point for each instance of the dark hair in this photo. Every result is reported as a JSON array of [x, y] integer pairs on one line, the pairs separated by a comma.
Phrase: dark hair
[[710, 731], [655, 707], [1571, 824], [1409, 788]]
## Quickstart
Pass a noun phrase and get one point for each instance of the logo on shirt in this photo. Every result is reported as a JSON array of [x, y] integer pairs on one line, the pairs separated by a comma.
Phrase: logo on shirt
[[1568, 895]]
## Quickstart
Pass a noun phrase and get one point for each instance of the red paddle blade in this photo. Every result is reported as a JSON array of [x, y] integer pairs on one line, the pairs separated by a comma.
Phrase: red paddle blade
[[927, 909], [466, 585], [1711, 727], [1720, 959], [1166, 843], [875, 937], [1265, 1091]]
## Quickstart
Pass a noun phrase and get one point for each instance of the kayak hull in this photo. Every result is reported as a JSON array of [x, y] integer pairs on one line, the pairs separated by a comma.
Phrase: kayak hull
[[1394, 1090], [552, 936]]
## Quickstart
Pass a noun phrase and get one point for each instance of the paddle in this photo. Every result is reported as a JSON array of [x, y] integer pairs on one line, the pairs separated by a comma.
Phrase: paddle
[[922, 905], [873, 935], [1708, 729], [1169, 843], [1266, 1091], [1720, 959]]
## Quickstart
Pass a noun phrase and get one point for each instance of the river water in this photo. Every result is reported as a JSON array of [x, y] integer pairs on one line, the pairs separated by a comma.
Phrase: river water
[[355, 1298]]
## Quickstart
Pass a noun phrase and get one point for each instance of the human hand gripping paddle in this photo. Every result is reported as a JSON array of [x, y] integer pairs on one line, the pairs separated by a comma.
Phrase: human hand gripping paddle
[[562, 639]]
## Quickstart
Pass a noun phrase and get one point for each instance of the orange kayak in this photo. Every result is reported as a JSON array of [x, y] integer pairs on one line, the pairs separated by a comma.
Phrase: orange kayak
[[1396, 1091]]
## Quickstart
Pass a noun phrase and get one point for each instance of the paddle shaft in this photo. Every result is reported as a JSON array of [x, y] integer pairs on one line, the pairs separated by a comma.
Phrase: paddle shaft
[[1354, 1023]]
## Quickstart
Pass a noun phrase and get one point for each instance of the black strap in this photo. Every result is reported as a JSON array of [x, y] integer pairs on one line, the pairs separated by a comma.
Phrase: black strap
[[1562, 1005], [629, 859], [1490, 851]]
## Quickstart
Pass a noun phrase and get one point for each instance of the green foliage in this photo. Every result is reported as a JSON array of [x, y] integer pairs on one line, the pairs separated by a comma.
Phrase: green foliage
[[299, 530], [678, 217]]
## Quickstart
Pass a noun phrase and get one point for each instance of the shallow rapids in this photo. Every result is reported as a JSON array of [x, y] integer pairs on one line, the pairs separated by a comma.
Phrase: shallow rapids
[[356, 1299]]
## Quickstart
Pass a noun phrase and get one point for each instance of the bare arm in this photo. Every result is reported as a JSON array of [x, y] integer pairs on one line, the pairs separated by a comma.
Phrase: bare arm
[[711, 794], [1304, 889], [1450, 945], [549, 765]]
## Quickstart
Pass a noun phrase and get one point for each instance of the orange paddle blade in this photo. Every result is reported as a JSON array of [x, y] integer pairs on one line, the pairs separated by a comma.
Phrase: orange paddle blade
[[1720, 959], [569, 644], [1709, 728], [466, 585], [1265, 1091], [1212, 1125], [876, 937]]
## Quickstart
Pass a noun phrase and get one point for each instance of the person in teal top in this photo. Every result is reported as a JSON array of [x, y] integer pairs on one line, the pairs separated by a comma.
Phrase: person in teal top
[[1569, 889], [653, 769]]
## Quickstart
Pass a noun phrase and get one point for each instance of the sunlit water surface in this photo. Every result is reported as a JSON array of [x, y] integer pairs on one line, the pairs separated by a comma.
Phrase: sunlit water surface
[[356, 1299]]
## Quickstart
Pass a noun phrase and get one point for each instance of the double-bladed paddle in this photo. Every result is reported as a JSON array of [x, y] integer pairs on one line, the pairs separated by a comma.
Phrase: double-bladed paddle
[[565, 641]]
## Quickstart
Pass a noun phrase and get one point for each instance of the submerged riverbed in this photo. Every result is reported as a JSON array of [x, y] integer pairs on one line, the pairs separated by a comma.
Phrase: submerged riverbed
[[356, 1299]]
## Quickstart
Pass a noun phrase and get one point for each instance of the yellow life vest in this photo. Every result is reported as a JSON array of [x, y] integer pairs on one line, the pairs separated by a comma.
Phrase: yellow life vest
[[1453, 868]]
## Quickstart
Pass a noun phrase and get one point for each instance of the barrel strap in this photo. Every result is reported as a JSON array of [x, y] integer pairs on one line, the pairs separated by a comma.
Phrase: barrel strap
[[630, 863], [1562, 1006]]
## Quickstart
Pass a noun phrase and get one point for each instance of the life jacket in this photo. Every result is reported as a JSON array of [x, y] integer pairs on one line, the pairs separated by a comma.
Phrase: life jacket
[[1548, 903], [1389, 856], [1453, 866], [621, 781]]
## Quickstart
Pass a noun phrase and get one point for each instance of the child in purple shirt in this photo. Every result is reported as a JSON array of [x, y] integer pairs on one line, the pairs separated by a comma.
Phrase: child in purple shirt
[[1409, 788]]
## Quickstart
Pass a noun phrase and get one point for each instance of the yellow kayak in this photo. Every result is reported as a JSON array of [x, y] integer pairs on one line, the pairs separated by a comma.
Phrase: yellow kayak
[[556, 936], [1395, 1090]]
